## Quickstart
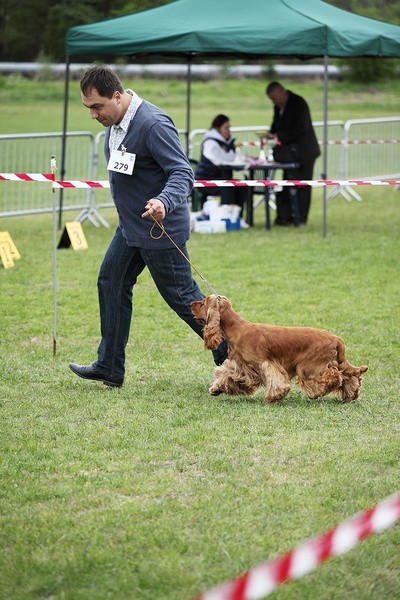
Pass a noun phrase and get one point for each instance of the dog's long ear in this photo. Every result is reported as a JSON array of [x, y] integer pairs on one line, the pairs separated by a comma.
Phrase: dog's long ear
[[212, 330]]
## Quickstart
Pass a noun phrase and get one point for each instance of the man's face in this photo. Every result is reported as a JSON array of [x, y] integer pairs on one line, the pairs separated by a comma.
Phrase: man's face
[[107, 111], [278, 97]]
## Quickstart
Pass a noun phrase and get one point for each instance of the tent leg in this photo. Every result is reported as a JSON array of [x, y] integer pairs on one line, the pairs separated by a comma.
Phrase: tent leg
[[188, 103], [325, 145], [64, 139]]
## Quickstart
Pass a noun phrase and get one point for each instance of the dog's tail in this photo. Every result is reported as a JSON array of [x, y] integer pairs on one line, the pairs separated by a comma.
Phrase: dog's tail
[[341, 353]]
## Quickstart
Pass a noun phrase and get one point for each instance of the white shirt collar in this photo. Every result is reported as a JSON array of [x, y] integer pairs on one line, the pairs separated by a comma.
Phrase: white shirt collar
[[119, 131], [131, 111]]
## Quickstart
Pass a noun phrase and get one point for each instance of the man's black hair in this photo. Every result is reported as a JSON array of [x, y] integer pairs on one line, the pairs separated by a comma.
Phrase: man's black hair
[[105, 81]]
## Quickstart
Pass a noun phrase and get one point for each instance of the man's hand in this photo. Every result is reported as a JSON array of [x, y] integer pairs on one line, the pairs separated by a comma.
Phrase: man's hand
[[154, 208]]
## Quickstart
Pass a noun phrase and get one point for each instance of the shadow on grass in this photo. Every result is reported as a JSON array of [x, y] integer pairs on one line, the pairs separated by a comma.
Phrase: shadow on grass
[[294, 398]]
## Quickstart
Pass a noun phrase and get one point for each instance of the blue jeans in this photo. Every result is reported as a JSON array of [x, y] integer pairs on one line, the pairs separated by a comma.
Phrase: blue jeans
[[121, 266]]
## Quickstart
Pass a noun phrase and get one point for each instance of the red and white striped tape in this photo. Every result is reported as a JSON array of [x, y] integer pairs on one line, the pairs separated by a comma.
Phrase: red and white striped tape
[[46, 177], [26, 177], [359, 142], [81, 184], [263, 579], [245, 144], [49, 178], [291, 182]]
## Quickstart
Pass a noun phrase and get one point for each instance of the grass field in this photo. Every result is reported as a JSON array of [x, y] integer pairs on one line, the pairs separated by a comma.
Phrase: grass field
[[158, 491], [37, 106]]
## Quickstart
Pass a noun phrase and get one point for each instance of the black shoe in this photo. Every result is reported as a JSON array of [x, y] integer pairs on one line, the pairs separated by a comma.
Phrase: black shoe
[[282, 223], [91, 372]]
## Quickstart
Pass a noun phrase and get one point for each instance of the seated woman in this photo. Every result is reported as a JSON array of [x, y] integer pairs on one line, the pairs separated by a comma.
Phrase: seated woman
[[218, 156]]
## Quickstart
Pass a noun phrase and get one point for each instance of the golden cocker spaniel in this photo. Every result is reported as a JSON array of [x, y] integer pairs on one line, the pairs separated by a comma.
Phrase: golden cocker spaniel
[[270, 356]]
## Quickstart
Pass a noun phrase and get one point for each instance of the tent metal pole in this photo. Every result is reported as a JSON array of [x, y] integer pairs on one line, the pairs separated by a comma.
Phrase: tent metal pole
[[64, 138], [188, 102], [325, 144]]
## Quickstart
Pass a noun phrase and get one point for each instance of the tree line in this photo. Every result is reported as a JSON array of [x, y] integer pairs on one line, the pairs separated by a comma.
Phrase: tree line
[[34, 30]]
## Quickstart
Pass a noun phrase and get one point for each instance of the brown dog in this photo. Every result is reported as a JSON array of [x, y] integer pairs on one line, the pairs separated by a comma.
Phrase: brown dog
[[270, 356]]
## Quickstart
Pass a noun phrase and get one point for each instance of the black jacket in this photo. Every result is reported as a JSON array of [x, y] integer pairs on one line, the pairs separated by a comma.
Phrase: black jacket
[[207, 169], [294, 126]]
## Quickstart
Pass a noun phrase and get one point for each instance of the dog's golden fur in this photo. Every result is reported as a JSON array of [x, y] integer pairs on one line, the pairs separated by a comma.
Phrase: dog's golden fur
[[270, 356]]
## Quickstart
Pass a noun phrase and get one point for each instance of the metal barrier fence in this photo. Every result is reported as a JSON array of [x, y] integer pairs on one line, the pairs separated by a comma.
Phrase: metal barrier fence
[[361, 148], [369, 147], [372, 144], [30, 153]]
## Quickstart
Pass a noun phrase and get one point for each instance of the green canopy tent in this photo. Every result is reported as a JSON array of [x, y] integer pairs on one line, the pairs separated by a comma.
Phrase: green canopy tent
[[255, 28], [198, 30]]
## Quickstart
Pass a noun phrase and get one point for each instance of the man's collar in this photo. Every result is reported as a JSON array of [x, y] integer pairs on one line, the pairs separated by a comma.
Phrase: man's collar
[[130, 111]]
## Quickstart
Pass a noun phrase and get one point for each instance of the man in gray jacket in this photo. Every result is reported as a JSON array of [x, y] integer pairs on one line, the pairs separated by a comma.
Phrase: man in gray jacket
[[150, 178]]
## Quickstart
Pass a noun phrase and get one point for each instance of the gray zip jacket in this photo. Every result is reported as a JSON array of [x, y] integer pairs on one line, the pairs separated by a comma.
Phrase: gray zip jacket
[[161, 171]]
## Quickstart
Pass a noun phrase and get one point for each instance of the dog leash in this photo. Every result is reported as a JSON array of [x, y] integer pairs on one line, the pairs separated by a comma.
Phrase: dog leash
[[163, 231]]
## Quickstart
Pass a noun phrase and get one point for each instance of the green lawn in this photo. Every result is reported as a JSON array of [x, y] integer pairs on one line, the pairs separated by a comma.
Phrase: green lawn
[[34, 106], [158, 491]]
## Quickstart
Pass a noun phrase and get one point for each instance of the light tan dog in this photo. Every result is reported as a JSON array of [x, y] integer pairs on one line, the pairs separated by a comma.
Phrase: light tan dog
[[270, 356]]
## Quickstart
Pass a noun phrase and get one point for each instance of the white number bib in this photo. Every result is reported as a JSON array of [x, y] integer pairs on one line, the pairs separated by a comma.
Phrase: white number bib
[[121, 162]]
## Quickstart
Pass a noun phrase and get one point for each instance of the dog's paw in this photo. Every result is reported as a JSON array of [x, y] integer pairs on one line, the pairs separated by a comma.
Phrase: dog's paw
[[215, 391], [349, 400]]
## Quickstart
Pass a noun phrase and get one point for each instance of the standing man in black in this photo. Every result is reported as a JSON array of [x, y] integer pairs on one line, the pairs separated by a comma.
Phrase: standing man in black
[[292, 126]]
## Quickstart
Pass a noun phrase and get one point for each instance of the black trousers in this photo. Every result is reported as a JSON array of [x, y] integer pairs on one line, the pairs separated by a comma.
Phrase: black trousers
[[284, 214]]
